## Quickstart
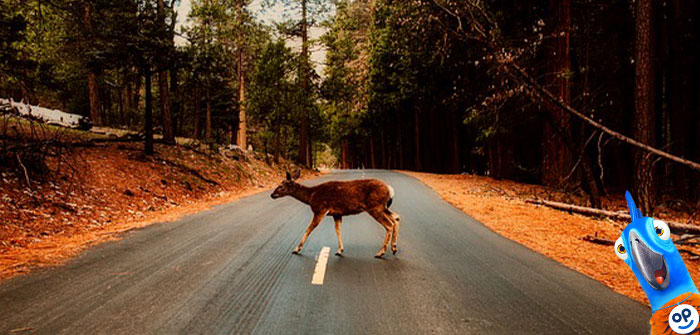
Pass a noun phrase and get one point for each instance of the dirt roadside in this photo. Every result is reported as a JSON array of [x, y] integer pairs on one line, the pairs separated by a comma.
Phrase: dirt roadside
[[113, 188], [501, 206]]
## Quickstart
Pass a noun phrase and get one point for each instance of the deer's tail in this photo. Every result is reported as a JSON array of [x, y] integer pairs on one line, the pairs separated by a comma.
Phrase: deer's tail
[[391, 196], [388, 212]]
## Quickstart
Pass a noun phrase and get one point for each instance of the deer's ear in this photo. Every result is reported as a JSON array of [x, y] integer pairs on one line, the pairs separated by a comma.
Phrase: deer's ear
[[289, 176], [296, 175]]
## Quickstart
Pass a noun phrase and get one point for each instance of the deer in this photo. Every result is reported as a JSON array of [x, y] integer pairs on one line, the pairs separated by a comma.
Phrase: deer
[[342, 198]]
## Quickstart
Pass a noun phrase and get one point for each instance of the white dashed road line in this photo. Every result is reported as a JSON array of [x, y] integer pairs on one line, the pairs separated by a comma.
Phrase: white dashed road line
[[320, 270]]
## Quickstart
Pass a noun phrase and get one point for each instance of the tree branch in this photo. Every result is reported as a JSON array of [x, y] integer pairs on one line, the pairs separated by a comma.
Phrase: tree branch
[[545, 94], [598, 240], [26, 175]]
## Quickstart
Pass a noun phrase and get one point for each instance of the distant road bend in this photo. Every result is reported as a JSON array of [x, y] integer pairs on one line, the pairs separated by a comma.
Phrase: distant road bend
[[230, 270]]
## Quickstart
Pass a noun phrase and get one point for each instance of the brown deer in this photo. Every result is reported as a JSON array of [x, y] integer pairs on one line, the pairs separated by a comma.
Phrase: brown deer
[[340, 198]]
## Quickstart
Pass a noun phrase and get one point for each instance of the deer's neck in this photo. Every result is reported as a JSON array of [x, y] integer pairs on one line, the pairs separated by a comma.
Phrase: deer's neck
[[302, 193]]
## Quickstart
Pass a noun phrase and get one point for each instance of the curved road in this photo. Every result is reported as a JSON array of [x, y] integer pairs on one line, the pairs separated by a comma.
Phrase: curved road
[[229, 270]]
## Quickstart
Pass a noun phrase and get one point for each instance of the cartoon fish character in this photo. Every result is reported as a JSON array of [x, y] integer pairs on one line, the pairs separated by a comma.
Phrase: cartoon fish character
[[647, 248]]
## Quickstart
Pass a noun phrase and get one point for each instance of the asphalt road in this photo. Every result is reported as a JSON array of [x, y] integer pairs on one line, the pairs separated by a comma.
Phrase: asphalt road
[[230, 270]]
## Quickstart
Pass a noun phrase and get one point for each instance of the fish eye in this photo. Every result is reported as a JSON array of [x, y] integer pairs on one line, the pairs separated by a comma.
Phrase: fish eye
[[661, 229], [620, 249]]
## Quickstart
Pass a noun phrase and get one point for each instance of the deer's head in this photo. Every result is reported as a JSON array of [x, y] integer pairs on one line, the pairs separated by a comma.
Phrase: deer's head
[[287, 186]]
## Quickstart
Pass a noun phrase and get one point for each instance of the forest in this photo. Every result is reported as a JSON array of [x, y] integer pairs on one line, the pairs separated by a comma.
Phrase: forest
[[589, 96]]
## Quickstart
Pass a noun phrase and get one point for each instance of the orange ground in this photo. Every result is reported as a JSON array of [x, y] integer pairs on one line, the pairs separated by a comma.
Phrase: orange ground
[[114, 188], [501, 206]]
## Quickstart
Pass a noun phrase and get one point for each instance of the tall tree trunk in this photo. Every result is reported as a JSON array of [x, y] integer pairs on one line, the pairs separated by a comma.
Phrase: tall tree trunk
[[120, 100], [399, 134], [148, 124], [265, 152], [590, 180], [644, 106], [284, 153], [174, 101], [126, 96], [495, 156], [137, 92], [94, 95], [455, 165], [241, 139], [304, 152], [166, 117], [344, 152], [416, 139], [390, 154], [167, 120], [197, 100], [310, 151], [93, 87], [682, 58], [123, 97], [276, 155], [556, 157], [664, 90], [383, 146], [372, 160], [207, 129]]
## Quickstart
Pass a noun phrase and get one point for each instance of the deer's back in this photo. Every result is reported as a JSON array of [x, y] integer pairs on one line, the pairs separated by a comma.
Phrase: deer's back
[[349, 197]]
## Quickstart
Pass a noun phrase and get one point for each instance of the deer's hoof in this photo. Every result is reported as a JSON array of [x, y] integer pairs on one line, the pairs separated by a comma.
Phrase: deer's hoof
[[295, 252], [339, 253], [379, 255], [394, 250]]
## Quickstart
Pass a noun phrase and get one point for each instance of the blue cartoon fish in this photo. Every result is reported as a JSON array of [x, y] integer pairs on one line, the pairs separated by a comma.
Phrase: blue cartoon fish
[[646, 246]]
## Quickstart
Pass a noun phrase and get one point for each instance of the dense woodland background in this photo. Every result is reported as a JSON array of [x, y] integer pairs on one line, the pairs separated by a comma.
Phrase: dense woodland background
[[499, 88]]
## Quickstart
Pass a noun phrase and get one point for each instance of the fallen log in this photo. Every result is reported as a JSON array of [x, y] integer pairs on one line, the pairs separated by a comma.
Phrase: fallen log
[[676, 228], [689, 243], [692, 254], [686, 238], [122, 139], [598, 240], [580, 209]]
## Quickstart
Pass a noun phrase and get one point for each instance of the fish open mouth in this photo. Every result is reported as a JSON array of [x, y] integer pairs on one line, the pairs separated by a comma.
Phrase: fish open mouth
[[651, 264]]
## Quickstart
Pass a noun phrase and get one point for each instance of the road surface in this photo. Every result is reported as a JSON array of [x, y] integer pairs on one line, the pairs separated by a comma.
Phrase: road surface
[[230, 270]]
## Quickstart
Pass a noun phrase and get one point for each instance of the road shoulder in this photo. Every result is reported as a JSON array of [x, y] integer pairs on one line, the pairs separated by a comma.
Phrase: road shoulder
[[113, 189], [500, 205]]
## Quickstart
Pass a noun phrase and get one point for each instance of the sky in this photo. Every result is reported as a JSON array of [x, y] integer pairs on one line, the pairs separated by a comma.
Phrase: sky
[[267, 16]]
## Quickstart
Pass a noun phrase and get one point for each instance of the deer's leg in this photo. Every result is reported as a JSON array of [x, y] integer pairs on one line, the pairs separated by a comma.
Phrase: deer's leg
[[396, 219], [338, 222], [314, 222], [387, 224]]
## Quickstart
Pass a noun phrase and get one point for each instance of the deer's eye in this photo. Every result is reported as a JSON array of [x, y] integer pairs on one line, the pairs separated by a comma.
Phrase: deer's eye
[[620, 249]]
